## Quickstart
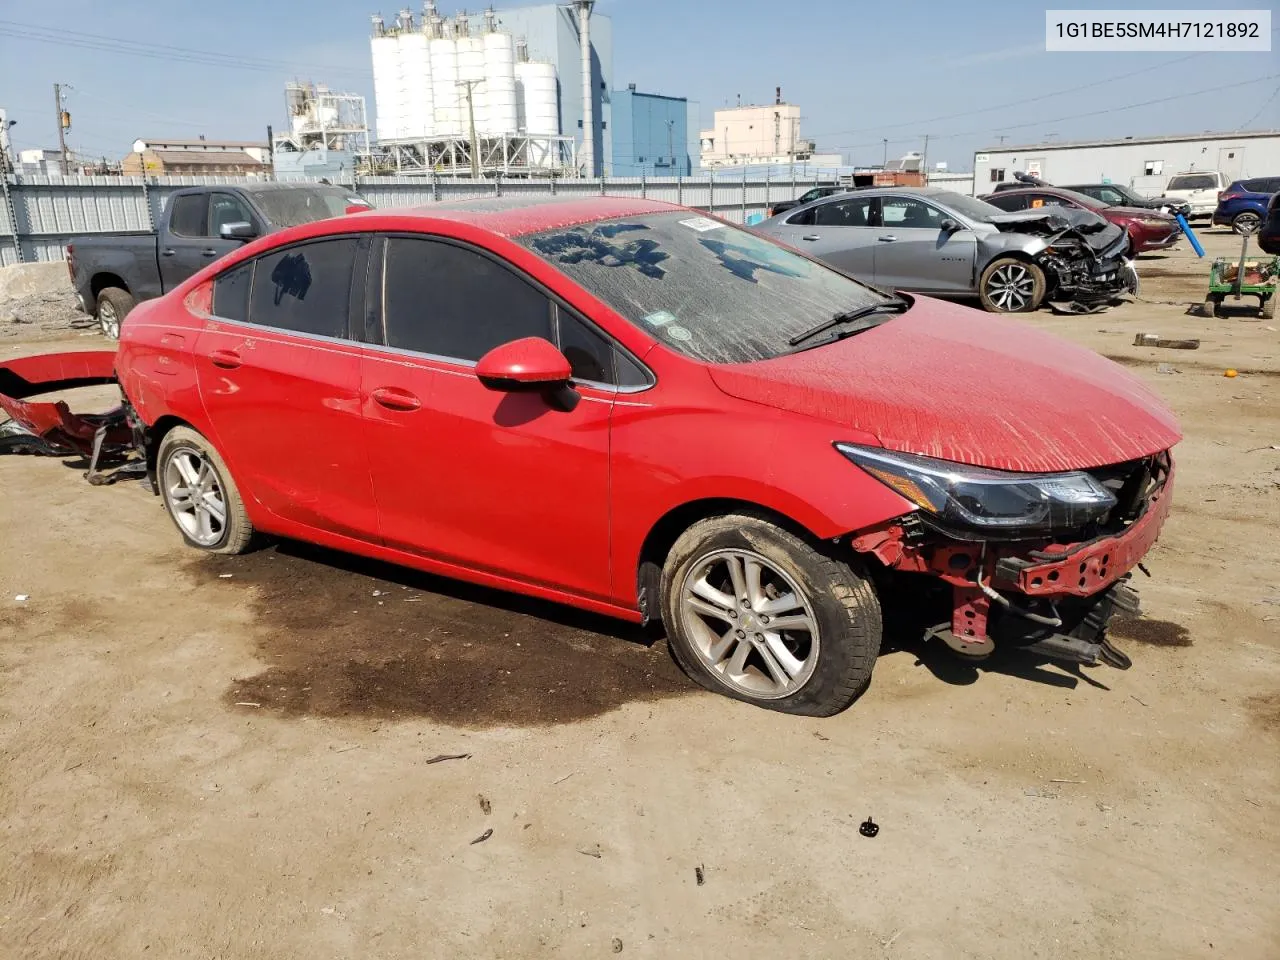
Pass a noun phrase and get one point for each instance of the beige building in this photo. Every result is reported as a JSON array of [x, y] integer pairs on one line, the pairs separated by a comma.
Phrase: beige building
[[758, 135], [197, 157]]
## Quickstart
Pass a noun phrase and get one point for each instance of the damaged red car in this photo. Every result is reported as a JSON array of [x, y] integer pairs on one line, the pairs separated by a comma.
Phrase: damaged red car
[[647, 412]]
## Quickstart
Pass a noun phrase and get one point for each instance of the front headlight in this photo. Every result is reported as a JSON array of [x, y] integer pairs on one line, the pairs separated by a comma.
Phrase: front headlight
[[1153, 222], [993, 501]]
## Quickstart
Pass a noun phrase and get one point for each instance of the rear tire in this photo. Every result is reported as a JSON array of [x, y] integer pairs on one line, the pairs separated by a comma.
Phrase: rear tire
[[724, 628], [1010, 285], [1268, 309], [199, 494], [114, 305], [1246, 223]]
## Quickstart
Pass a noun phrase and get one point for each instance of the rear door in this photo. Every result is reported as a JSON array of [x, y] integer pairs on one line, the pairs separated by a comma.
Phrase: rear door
[[838, 232], [913, 252], [491, 481], [190, 240], [279, 377]]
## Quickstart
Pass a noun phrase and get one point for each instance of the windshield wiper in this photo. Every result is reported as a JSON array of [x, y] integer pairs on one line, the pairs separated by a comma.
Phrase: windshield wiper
[[850, 316]]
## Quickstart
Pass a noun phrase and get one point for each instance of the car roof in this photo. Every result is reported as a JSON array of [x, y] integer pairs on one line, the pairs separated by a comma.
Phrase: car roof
[[520, 214]]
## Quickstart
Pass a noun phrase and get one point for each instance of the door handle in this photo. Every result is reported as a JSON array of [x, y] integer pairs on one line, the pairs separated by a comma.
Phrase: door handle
[[226, 359], [812, 236], [209, 252], [395, 399], [889, 239], [167, 252]]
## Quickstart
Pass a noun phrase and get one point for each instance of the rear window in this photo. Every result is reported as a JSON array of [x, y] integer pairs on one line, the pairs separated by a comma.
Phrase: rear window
[[288, 208], [706, 289], [1193, 181]]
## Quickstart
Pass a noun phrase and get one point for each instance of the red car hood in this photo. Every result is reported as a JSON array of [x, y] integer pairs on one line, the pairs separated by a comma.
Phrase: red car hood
[[1137, 213], [946, 381]]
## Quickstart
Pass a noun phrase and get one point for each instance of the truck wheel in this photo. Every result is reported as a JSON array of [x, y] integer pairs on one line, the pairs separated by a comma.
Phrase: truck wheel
[[114, 305], [200, 495], [759, 614], [1246, 223], [1268, 309], [1009, 285]]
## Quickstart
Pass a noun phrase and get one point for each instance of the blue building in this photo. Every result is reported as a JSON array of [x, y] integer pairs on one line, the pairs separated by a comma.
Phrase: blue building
[[652, 134]]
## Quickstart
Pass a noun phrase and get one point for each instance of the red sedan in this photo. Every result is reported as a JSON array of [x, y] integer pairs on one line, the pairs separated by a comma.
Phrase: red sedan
[[646, 412], [1148, 229]]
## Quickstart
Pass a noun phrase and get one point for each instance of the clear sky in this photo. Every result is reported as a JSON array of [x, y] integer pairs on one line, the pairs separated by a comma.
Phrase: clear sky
[[862, 72]]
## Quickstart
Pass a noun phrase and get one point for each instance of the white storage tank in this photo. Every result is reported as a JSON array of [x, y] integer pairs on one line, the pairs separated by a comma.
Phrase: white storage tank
[[541, 103], [444, 86], [471, 67], [387, 85], [416, 91], [500, 85]]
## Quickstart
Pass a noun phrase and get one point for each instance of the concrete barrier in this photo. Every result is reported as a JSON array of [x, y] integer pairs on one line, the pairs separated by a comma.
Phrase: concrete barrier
[[26, 279]]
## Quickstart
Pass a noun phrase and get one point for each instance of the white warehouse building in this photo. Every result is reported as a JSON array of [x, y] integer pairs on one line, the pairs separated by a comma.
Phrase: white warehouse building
[[1143, 163]]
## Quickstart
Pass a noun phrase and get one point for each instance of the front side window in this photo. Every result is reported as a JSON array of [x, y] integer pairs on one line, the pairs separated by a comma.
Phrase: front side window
[[188, 218], [449, 301], [706, 289], [1008, 202], [909, 213], [225, 208], [305, 288]]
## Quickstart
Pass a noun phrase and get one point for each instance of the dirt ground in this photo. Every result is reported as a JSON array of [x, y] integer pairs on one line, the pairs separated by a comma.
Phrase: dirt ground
[[232, 758]]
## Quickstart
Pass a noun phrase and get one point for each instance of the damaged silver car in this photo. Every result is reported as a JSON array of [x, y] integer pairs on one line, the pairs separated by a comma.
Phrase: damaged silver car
[[942, 243]]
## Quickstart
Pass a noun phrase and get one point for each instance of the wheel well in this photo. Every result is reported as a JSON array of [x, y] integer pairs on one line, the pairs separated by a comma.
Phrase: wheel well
[[663, 535], [101, 281], [155, 434]]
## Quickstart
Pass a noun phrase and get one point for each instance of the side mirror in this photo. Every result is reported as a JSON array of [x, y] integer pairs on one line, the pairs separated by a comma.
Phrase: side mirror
[[240, 230], [530, 365], [949, 226]]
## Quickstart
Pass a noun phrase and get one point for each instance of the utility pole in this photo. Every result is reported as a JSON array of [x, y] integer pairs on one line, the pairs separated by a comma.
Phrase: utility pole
[[924, 160], [471, 120], [884, 163], [64, 121], [671, 149]]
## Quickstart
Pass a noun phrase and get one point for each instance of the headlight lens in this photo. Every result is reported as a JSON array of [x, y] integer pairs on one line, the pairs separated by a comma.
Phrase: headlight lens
[[1153, 222], [994, 501]]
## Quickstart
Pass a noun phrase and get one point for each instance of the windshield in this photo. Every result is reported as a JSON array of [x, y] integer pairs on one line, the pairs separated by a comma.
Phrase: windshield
[[706, 289], [1200, 181], [288, 208], [968, 207]]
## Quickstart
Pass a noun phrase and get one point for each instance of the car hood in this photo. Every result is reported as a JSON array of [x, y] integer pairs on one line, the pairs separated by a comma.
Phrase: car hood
[[946, 381], [1139, 212], [1044, 220]]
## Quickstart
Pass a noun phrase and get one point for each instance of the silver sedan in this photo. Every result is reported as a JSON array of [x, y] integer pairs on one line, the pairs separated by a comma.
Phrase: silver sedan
[[927, 240]]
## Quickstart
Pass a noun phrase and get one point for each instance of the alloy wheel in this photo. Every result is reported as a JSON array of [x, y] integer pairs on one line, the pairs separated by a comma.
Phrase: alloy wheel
[[1011, 287], [108, 320], [1246, 223], [750, 623], [194, 496]]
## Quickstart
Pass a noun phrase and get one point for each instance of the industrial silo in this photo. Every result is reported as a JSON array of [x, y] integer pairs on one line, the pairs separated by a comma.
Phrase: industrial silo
[[537, 81], [386, 80], [499, 85], [416, 90], [471, 74], [444, 83]]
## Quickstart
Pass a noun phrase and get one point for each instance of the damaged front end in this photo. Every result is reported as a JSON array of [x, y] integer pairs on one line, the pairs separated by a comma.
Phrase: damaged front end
[[1039, 562], [111, 442], [1084, 257]]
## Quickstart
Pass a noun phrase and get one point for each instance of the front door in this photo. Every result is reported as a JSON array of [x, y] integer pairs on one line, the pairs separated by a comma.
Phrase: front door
[[913, 252], [280, 382], [500, 482], [191, 241]]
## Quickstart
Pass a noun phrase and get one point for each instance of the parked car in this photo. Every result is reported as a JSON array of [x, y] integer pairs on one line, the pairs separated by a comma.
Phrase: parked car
[[1117, 195], [1269, 232], [111, 274], [1198, 189], [934, 241], [1243, 205], [646, 412], [1148, 229], [817, 193]]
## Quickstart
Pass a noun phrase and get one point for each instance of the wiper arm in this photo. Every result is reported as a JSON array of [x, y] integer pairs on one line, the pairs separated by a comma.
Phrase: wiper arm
[[849, 316]]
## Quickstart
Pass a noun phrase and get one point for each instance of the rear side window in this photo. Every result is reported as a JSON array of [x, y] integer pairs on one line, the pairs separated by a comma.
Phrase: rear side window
[[802, 219], [844, 213], [305, 288], [231, 293], [189, 216], [453, 302]]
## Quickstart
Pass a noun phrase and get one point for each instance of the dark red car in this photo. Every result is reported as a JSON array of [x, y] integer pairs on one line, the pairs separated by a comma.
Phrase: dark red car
[[1148, 229], [640, 410]]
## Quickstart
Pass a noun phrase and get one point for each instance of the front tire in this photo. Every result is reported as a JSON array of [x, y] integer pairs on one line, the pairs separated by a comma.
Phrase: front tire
[[199, 494], [114, 305], [1010, 285], [761, 615]]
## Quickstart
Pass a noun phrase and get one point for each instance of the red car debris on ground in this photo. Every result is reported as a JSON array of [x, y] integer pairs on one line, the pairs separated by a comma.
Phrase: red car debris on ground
[[646, 412], [1148, 229]]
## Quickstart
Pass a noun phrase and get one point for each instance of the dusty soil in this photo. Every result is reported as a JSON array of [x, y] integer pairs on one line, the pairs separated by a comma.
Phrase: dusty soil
[[231, 758]]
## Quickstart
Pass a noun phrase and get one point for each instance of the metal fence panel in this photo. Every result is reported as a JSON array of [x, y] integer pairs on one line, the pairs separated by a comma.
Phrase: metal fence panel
[[41, 214]]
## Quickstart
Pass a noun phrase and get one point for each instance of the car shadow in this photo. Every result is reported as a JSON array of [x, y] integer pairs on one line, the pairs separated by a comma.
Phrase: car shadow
[[950, 667]]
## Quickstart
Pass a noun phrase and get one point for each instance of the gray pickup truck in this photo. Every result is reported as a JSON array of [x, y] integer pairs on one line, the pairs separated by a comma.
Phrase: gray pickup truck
[[197, 226]]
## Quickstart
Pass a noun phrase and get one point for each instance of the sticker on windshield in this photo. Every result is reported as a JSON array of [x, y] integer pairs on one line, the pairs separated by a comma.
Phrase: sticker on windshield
[[677, 332], [660, 319], [701, 224]]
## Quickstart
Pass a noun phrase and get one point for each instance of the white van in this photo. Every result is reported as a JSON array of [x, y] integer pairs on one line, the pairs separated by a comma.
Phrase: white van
[[1198, 189]]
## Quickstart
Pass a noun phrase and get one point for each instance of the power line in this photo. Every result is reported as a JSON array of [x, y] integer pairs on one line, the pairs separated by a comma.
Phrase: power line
[[1261, 109]]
